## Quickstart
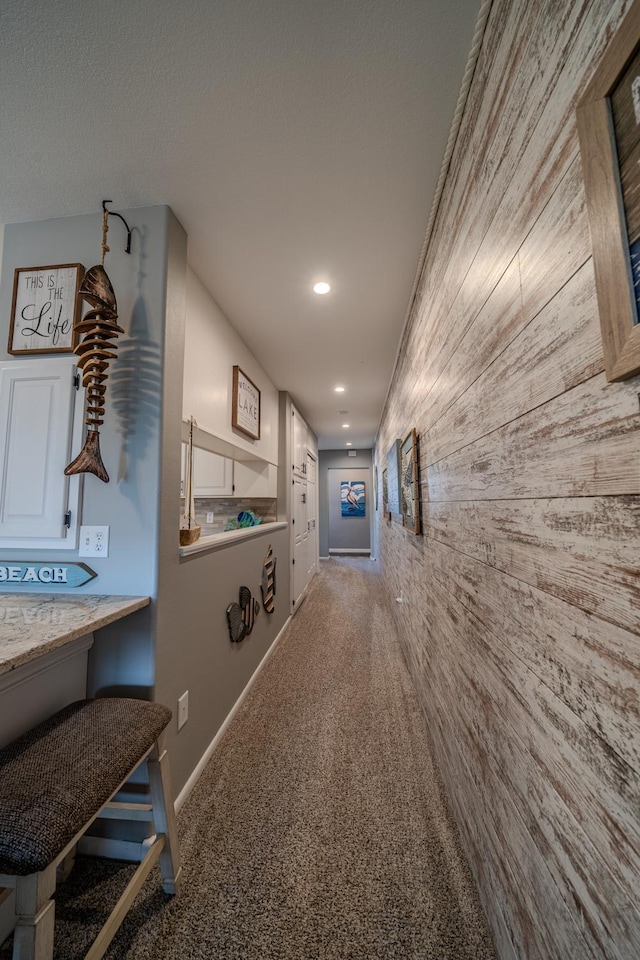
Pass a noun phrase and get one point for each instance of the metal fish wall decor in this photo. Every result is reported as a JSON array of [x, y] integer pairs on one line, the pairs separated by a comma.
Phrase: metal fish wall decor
[[268, 585], [241, 616], [98, 328]]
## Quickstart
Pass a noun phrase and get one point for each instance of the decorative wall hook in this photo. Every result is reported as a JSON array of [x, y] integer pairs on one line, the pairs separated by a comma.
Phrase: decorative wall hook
[[112, 213]]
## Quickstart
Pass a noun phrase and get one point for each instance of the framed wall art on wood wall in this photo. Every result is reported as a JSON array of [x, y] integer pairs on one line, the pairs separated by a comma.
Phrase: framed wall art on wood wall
[[609, 129], [409, 488], [245, 414], [393, 482], [44, 310]]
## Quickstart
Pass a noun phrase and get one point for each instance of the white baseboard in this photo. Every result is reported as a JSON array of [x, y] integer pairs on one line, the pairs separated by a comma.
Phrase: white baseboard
[[356, 550], [206, 756]]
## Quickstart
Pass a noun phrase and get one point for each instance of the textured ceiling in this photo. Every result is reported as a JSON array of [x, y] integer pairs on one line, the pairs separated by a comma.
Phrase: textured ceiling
[[295, 140]]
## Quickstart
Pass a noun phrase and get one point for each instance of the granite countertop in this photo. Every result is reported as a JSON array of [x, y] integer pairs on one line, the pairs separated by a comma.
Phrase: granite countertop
[[32, 624]]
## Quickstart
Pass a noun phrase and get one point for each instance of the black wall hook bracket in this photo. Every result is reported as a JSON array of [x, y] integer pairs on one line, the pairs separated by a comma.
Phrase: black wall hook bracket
[[112, 213]]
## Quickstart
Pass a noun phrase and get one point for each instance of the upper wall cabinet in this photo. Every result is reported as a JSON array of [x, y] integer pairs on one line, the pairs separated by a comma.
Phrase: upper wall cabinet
[[212, 474], [40, 423]]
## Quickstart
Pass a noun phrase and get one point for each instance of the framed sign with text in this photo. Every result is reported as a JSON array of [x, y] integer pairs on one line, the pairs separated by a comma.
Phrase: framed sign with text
[[45, 307], [609, 128], [245, 405]]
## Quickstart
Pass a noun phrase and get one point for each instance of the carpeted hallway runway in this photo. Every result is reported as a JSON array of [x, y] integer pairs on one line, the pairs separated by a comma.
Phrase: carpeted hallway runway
[[318, 828]]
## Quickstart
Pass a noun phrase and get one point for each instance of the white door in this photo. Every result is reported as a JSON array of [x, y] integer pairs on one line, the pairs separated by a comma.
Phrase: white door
[[312, 515], [300, 565], [40, 432]]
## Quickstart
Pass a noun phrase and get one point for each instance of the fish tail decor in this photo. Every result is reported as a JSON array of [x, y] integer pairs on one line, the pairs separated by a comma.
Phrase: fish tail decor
[[98, 328], [241, 616], [268, 585]]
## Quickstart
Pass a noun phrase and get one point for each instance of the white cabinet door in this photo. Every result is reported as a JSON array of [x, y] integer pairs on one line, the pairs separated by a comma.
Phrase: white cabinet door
[[300, 540], [255, 478], [40, 422], [212, 474], [312, 513], [298, 443]]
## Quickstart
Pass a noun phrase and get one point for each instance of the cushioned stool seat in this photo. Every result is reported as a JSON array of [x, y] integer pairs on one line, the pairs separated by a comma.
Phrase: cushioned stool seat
[[54, 781]]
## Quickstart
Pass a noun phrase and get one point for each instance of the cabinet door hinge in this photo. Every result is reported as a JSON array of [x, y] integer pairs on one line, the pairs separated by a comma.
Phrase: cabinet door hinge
[[76, 381], [293, 561], [67, 518]]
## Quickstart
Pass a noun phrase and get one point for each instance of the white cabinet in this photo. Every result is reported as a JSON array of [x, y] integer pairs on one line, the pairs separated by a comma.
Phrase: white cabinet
[[255, 478], [212, 474], [40, 430]]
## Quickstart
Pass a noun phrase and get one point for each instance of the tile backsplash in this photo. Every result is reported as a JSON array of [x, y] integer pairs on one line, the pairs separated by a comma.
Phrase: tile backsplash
[[225, 508]]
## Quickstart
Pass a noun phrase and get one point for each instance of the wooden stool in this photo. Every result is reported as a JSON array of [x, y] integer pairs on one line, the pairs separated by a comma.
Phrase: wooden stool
[[54, 782]]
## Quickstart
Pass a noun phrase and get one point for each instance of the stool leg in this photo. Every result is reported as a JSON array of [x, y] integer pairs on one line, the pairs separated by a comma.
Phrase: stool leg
[[33, 936], [164, 816]]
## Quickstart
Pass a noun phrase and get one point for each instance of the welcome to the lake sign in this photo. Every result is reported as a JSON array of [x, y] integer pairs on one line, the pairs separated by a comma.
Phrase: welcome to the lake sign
[[246, 405], [29, 573]]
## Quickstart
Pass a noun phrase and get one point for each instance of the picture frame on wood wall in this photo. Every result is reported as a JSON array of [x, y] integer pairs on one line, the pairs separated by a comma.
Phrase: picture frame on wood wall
[[409, 486], [608, 116], [393, 473], [45, 309], [385, 495]]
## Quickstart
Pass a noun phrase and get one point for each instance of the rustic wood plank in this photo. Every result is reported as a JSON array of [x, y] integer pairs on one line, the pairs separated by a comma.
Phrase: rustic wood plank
[[543, 756], [530, 281], [504, 216], [558, 349], [581, 444], [522, 600], [492, 784], [585, 551], [593, 667]]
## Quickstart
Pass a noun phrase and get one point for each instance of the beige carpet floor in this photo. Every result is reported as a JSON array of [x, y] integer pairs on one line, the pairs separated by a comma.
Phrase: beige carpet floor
[[319, 828]]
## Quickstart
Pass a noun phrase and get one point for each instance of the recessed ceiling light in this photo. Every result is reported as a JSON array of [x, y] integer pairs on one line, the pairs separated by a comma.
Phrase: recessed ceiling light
[[349, 444], [345, 426], [339, 389], [321, 287]]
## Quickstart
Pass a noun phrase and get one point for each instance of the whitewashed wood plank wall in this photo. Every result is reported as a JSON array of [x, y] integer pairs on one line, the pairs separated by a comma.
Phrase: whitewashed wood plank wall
[[521, 612]]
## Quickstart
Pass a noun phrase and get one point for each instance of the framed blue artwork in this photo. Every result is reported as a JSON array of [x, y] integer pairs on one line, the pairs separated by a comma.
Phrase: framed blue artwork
[[352, 498]]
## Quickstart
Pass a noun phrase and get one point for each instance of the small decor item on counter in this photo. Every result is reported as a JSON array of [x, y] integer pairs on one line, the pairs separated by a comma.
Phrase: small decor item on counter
[[44, 311], [241, 616], [95, 350], [189, 529], [268, 585], [246, 518]]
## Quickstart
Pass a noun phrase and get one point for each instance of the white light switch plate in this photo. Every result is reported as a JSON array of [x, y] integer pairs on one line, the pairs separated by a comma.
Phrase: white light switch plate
[[94, 542]]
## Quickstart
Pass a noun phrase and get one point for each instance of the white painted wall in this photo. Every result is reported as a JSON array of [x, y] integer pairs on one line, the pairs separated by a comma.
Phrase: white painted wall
[[212, 347]]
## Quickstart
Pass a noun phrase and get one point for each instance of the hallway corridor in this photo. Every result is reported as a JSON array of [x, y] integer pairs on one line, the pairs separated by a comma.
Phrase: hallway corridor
[[318, 829]]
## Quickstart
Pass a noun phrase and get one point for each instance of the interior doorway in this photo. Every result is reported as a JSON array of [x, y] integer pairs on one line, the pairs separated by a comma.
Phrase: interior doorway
[[350, 506]]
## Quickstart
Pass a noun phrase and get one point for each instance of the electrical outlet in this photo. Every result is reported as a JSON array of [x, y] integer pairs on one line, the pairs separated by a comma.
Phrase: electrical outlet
[[94, 542], [210, 517], [183, 709]]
